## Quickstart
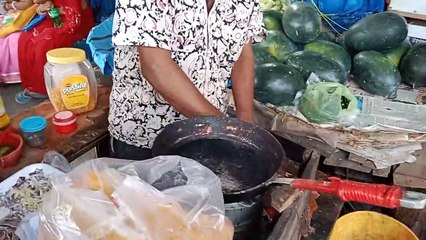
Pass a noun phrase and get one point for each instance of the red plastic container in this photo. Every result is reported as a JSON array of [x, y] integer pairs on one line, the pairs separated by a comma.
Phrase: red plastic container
[[65, 122], [9, 138]]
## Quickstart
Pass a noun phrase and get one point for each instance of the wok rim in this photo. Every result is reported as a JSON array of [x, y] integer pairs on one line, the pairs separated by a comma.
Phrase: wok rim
[[247, 126]]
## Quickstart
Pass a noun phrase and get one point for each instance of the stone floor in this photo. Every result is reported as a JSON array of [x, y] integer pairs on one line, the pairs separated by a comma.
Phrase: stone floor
[[8, 93]]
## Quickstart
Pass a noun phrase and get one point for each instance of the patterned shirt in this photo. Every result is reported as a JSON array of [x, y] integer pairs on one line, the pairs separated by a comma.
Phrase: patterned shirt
[[204, 44]]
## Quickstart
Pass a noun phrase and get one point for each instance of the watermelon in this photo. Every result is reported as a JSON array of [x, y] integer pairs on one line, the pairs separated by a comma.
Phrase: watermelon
[[301, 22], [376, 74], [331, 50], [272, 20], [277, 84], [278, 45], [378, 32], [325, 68], [413, 66], [326, 37], [261, 55], [396, 54]]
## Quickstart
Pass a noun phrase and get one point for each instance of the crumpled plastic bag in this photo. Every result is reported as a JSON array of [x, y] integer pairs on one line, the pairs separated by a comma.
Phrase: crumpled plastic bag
[[57, 161], [328, 102], [116, 199]]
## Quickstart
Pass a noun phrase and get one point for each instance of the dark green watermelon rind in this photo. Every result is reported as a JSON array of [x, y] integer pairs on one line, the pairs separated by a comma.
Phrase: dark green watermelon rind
[[302, 22], [413, 66], [325, 68], [278, 45], [277, 84], [396, 54], [376, 74], [273, 20], [377, 32], [333, 51]]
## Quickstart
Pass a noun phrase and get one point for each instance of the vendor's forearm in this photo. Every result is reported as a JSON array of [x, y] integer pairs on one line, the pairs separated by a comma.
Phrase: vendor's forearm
[[172, 84], [243, 83]]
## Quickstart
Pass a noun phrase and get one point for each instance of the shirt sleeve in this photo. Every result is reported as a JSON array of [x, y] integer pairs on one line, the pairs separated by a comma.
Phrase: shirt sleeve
[[145, 23], [256, 27]]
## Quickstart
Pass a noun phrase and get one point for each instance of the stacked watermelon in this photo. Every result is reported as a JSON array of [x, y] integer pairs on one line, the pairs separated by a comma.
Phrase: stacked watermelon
[[375, 52], [295, 48]]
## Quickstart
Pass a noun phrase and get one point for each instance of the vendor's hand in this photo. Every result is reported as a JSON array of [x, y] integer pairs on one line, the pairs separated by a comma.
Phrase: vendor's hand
[[246, 118], [44, 7]]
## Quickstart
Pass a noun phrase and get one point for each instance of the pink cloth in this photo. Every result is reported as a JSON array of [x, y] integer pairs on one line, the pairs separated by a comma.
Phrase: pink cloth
[[9, 65]]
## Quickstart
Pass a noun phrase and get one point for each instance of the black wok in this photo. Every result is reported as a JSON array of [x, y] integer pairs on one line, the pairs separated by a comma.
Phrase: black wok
[[246, 158]]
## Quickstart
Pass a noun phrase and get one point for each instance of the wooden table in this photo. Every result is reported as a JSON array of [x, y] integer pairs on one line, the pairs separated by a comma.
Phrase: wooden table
[[92, 130]]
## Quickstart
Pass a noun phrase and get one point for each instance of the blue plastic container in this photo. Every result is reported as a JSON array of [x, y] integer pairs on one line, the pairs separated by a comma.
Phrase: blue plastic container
[[34, 130]]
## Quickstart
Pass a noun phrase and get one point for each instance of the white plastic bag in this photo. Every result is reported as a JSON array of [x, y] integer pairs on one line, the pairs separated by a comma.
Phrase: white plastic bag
[[115, 199]]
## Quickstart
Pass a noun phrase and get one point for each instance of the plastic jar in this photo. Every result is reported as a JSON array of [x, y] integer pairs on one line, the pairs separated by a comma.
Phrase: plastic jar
[[34, 130], [65, 122], [70, 80]]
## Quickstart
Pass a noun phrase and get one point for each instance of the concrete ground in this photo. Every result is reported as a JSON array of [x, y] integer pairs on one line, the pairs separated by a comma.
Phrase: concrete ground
[[8, 93]]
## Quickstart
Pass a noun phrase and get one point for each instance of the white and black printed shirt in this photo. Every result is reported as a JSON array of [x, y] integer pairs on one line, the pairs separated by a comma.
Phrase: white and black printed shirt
[[205, 45]]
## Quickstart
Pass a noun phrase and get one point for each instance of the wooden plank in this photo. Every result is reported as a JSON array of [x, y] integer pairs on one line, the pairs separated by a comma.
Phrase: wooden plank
[[410, 15], [412, 174], [294, 220], [365, 162], [328, 211], [355, 158], [384, 173], [413, 219], [329, 208], [409, 8], [340, 159]]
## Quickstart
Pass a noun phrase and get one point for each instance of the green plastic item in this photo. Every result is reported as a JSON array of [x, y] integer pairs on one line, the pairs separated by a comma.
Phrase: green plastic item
[[55, 15], [328, 102]]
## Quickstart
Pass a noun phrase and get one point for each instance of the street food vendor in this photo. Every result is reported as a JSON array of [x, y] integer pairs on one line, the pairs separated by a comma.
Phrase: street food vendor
[[173, 60]]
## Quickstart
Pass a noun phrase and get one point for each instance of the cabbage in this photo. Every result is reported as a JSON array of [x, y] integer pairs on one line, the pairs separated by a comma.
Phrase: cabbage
[[327, 102], [266, 5]]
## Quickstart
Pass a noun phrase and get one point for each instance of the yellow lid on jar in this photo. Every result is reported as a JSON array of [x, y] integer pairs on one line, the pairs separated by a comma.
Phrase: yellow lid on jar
[[66, 55]]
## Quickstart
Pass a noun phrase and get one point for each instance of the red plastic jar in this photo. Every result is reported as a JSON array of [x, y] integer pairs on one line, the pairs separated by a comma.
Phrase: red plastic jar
[[65, 122]]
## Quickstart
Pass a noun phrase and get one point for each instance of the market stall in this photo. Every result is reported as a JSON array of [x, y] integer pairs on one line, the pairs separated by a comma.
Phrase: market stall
[[365, 117], [333, 97]]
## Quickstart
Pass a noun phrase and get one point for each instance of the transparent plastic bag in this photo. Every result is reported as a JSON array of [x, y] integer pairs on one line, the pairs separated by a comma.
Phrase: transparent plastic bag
[[115, 199], [328, 102], [57, 161]]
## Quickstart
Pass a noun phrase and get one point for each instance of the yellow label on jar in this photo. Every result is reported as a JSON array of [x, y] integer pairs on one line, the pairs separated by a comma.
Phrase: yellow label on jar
[[75, 92]]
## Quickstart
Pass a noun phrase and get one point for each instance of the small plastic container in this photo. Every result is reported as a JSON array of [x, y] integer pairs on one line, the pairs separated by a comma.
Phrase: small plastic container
[[70, 80], [65, 122], [34, 130]]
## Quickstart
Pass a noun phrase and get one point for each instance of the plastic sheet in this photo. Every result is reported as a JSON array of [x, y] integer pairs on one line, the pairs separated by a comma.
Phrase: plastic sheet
[[115, 199]]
